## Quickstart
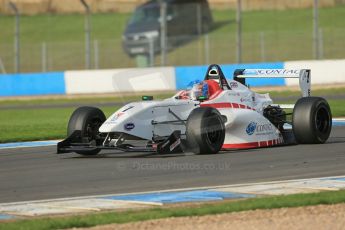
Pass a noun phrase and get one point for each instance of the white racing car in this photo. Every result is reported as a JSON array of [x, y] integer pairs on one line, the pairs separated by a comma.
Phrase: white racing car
[[213, 115]]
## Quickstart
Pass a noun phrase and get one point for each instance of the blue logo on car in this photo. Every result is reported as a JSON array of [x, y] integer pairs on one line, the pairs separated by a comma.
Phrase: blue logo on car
[[129, 126], [251, 128]]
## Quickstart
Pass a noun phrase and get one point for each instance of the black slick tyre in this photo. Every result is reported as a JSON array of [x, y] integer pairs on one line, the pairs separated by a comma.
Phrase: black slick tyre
[[205, 131], [311, 120], [87, 120]]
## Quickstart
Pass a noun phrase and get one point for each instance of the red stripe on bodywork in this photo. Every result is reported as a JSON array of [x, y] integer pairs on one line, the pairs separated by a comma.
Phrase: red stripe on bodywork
[[241, 145], [235, 105], [251, 145], [217, 105], [226, 105], [263, 144]]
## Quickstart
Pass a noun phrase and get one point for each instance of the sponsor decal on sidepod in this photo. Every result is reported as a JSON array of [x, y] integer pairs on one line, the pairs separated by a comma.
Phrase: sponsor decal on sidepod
[[251, 128], [129, 126], [259, 129], [246, 99]]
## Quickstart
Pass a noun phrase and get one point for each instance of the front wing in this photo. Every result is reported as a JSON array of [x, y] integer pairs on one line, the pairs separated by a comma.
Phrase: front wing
[[173, 144]]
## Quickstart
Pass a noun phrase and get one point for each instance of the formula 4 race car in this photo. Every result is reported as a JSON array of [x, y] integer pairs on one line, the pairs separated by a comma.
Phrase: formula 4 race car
[[212, 115]]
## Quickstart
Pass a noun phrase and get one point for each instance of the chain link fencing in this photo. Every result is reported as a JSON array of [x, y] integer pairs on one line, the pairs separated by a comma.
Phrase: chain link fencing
[[54, 45]]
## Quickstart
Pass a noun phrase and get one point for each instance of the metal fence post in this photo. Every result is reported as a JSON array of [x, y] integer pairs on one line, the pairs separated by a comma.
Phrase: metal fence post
[[321, 51], [151, 52], [316, 29], [199, 19], [163, 31], [44, 56], [207, 49], [87, 35], [262, 46], [96, 54], [16, 37], [2, 67], [239, 31]]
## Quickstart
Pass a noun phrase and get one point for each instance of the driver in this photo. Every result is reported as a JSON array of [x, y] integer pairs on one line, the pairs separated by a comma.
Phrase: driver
[[199, 91]]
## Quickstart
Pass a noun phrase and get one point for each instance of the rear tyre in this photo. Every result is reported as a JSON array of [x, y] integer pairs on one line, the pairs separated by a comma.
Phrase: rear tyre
[[87, 120], [311, 120], [205, 131]]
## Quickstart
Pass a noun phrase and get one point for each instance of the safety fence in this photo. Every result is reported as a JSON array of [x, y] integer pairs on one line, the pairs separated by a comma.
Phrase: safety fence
[[191, 50]]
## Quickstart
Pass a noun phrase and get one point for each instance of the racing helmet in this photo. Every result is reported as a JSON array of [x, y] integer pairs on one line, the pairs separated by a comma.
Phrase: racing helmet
[[199, 91]]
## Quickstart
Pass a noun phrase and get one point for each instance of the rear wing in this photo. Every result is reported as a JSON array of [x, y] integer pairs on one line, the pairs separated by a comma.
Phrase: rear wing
[[302, 74]]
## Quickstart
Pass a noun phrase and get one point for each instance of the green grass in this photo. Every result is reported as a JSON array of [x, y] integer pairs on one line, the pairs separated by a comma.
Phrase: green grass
[[296, 200], [81, 100], [63, 28], [295, 93], [337, 107], [157, 95], [288, 36], [37, 124], [70, 27]]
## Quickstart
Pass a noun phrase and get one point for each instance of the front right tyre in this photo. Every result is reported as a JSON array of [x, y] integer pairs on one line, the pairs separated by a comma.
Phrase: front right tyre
[[311, 120]]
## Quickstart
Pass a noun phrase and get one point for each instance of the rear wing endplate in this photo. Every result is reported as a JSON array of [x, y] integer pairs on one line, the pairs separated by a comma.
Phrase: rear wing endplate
[[302, 74]]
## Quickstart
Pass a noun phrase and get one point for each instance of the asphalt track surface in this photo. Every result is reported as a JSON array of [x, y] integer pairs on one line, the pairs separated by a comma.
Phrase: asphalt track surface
[[39, 173]]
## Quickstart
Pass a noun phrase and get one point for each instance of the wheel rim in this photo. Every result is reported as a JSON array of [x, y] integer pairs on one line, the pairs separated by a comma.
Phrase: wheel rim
[[322, 120], [91, 129]]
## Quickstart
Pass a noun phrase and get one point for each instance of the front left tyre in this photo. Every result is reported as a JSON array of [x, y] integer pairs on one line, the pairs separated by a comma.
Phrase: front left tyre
[[87, 120], [205, 131]]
